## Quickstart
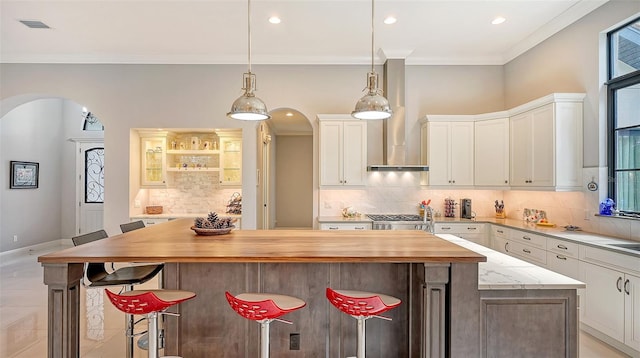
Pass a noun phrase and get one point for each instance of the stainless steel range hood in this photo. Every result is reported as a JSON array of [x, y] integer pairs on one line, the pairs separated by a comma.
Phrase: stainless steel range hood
[[393, 129]]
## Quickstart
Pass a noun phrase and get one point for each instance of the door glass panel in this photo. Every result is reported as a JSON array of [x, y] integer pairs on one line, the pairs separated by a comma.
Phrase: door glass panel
[[94, 175]]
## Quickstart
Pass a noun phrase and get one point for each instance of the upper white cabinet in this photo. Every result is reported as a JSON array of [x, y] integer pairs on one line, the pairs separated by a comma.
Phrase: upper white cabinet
[[546, 143], [492, 152], [450, 151], [230, 160], [343, 150]]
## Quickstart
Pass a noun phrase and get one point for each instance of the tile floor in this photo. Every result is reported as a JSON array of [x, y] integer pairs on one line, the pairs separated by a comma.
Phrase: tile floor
[[23, 318]]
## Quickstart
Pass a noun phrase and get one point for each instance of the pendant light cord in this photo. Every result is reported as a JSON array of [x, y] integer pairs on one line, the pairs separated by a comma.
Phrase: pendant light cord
[[249, 31], [372, 33]]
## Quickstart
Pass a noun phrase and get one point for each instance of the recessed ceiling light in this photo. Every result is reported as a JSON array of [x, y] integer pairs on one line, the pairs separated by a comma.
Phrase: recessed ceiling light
[[275, 20], [498, 20], [289, 114], [34, 24], [390, 20]]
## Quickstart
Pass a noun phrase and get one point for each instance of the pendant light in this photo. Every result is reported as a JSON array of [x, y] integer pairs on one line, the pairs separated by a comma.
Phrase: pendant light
[[372, 105], [248, 107]]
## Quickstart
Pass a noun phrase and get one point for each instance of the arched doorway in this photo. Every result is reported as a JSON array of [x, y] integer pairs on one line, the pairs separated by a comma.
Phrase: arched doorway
[[285, 152]]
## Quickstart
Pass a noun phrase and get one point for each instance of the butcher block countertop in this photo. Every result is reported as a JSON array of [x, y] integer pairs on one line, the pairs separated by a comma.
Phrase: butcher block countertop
[[174, 241]]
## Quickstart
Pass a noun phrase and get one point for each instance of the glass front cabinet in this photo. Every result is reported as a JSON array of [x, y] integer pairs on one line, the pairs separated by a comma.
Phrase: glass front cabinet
[[153, 162], [230, 160]]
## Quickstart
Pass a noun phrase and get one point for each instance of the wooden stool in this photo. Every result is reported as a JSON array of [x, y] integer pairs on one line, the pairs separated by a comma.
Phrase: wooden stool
[[264, 308], [362, 306], [149, 303]]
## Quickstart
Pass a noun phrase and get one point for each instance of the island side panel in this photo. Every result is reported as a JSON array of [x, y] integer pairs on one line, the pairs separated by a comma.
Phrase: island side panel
[[63, 281], [464, 311], [209, 328], [529, 323]]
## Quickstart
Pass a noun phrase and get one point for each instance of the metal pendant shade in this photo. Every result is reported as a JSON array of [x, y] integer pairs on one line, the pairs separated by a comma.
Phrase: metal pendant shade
[[248, 107], [372, 105]]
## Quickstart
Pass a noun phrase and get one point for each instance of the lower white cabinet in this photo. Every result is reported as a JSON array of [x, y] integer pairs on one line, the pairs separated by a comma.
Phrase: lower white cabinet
[[474, 232], [149, 221], [345, 226], [611, 302]]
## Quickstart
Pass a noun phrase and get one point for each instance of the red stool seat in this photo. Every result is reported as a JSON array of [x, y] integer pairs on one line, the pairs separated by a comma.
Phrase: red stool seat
[[259, 306], [149, 303], [360, 303]]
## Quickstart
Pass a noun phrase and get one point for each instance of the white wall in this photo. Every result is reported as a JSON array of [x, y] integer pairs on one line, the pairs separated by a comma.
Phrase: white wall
[[33, 133]]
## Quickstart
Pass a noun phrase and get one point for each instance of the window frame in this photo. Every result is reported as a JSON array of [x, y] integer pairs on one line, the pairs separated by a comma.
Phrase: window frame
[[612, 86]]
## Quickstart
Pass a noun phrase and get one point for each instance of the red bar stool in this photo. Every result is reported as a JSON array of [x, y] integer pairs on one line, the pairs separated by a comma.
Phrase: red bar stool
[[362, 306], [264, 308], [149, 303]]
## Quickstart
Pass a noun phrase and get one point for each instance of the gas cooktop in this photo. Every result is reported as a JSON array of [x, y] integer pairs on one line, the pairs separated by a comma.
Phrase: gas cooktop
[[394, 217]]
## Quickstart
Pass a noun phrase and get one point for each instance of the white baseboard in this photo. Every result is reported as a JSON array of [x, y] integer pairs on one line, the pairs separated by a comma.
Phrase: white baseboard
[[610, 341], [7, 256]]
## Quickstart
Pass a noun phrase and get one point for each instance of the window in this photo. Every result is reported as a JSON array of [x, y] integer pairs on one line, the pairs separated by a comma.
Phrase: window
[[94, 175], [623, 116]]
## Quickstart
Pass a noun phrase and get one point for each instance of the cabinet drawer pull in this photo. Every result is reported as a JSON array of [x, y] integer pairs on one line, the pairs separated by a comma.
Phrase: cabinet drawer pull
[[506, 247], [527, 251], [561, 257], [562, 247], [526, 238], [446, 228], [359, 227], [618, 284], [333, 228], [472, 228], [500, 231], [626, 287]]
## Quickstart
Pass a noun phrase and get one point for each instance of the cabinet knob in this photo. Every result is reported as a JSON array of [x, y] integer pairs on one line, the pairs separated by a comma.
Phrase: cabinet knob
[[506, 181]]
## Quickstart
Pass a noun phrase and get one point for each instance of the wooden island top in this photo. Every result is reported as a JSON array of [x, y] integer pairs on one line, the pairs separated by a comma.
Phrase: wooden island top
[[176, 242]]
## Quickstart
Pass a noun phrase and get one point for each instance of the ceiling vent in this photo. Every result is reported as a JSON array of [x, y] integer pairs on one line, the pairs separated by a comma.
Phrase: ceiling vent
[[34, 24]]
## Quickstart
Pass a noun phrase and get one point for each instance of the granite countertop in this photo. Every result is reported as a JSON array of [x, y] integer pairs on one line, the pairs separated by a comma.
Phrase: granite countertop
[[503, 272], [579, 237]]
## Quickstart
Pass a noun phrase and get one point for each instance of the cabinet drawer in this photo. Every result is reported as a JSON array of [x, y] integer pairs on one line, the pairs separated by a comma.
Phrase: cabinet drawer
[[607, 258], [350, 226], [459, 228], [563, 264], [148, 222], [563, 247], [529, 253], [528, 238], [499, 231]]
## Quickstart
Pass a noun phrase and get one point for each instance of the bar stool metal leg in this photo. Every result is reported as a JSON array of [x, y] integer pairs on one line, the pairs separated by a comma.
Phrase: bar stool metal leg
[[264, 339], [129, 321], [152, 319], [361, 337]]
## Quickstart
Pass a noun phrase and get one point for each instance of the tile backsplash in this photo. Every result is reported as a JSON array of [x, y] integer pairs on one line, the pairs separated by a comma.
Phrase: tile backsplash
[[401, 193], [189, 192]]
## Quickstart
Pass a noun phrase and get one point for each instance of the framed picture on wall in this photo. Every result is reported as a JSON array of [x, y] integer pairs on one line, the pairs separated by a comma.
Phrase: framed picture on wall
[[24, 175]]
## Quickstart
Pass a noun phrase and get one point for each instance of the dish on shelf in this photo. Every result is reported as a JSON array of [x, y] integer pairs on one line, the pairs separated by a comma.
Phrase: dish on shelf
[[212, 232], [546, 224]]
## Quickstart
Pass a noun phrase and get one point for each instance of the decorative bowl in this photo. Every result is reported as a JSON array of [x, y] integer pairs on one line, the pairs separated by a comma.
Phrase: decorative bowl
[[211, 232]]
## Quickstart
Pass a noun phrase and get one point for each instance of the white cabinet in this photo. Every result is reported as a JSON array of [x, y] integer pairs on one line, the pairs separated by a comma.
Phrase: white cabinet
[[602, 305], [343, 151], [345, 226], [474, 232], [153, 160], [611, 302], [491, 159], [450, 152], [546, 143]]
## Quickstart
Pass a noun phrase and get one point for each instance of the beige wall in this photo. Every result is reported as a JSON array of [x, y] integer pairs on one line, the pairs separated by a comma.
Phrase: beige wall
[[570, 61], [294, 181]]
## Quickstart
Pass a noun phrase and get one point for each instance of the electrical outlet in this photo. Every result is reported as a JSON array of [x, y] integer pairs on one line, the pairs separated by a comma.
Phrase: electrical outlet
[[15, 238], [586, 214], [294, 342]]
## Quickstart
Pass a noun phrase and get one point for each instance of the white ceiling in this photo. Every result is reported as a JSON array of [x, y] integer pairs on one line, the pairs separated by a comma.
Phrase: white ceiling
[[311, 32]]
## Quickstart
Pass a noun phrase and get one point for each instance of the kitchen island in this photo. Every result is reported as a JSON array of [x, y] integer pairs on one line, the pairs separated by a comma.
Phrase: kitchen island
[[437, 281]]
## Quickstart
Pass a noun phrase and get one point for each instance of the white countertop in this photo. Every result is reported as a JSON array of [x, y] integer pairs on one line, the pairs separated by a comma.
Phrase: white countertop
[[503, 272], [179, 216]]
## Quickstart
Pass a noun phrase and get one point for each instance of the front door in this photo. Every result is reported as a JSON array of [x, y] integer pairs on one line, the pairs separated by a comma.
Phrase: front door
[[90, 195]]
